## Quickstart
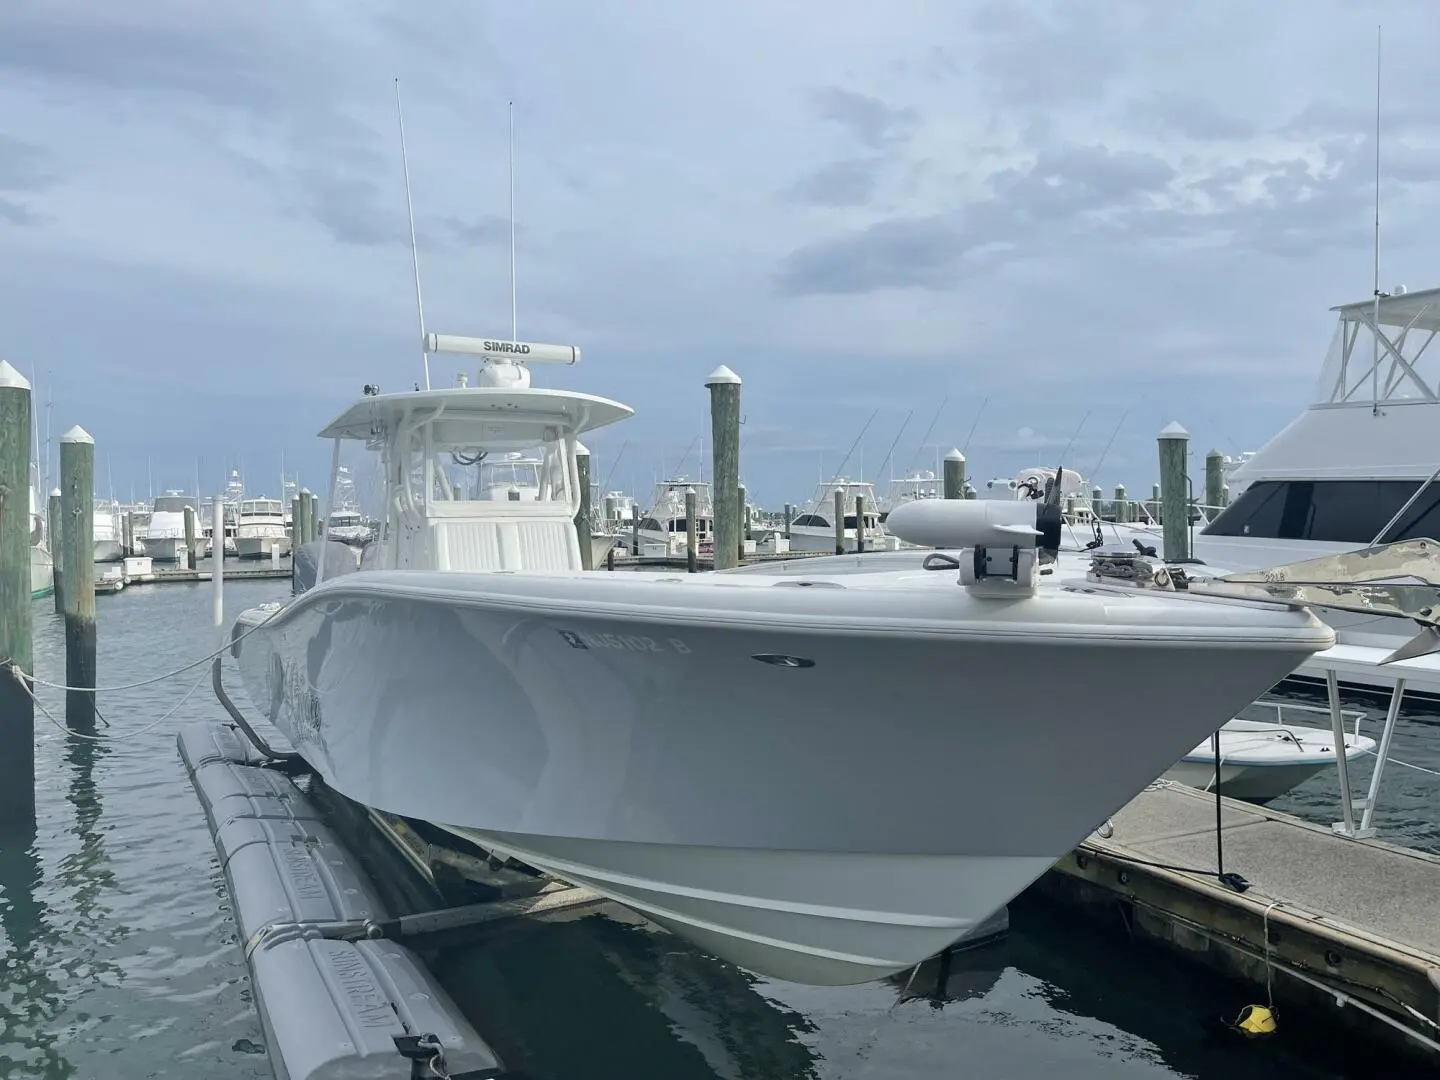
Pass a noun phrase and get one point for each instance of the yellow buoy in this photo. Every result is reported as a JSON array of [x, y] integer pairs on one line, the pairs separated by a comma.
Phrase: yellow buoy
[[1256, 1021]]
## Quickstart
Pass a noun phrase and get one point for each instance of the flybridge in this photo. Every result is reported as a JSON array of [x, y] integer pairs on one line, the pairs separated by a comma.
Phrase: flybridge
[[504, 352]]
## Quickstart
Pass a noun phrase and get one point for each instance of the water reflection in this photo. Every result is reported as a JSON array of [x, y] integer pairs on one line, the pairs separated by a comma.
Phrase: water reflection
[[633, 1001], [30, 997]]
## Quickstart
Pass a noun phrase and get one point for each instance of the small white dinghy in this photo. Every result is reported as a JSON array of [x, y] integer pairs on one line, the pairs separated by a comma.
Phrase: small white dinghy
[[1261, 760]]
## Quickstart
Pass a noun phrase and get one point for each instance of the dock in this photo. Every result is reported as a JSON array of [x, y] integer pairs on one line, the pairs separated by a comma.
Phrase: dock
[[1324, 920], [112, 583]]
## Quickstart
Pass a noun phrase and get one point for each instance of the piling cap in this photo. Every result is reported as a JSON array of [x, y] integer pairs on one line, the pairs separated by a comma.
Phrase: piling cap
[[12, 379], [954, 454], [581, 449], [722, 376], [77, 434], [1214, 453], [57, 493], [1173, 430]]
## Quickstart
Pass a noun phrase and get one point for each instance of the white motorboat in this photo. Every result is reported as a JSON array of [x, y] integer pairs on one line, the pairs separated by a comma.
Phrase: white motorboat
[[260, 528], [165, 534], [345, 522], [107, 532], [664, 530], [814, 529], [1262, 759], [470, 675]]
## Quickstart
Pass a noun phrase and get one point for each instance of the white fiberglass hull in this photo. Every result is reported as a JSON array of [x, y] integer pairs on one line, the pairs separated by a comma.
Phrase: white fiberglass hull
[[588, 725], [260, 547], [1261, 760], [164, 548], [42, 572], [108, 551], [600, 547], [813, 538]]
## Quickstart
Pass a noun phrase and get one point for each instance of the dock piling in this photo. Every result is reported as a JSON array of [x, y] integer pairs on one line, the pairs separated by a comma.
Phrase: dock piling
[[1174, 442], [582, 516], [789, 513], [192, 553], [954, 483], [691, 543], [77, 532], [53, 532], [1121, 509], [724, 387], [839, 522], [127, 533], [859, 524], [635, 529], [1214, 480], [307, 512], [17, 708]]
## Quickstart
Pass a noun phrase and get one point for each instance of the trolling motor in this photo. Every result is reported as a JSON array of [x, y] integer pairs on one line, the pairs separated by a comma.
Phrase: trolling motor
[[1003, 546]]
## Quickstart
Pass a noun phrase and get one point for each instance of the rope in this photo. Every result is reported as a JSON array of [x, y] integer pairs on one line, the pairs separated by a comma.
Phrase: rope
[[159, 678], [114, 735], [1397, 761]]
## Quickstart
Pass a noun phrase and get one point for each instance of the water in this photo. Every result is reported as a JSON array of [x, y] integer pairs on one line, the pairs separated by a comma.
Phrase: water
[[120, 959]]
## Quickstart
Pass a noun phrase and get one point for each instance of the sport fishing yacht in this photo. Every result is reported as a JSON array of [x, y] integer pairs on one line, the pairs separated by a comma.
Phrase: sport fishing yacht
[[814, 529], [469, 674], [165, 534], [260, 528]]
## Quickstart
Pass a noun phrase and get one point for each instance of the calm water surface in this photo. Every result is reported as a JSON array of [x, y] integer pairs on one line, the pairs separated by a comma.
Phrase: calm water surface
[[120, 959]]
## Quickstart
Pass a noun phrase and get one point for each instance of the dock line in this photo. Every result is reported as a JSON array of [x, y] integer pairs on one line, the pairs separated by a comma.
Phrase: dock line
[[158, 678], [1340, 996], [109, 736]]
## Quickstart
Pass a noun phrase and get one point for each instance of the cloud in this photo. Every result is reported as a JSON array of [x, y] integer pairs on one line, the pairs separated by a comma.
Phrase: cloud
[[25, 169], [883, 207], [1168, 115], [873, 122], [852, 182]]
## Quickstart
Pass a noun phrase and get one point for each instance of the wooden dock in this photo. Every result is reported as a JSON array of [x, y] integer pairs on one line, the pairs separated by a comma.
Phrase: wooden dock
[[111, 585], [1327, 920]]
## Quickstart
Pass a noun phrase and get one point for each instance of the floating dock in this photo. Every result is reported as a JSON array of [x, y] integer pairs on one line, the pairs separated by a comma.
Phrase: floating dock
[[337, 996], [115, 583], [1324, 920]]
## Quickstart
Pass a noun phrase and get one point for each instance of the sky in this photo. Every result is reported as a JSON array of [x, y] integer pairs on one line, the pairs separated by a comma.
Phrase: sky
[[1023, 229]]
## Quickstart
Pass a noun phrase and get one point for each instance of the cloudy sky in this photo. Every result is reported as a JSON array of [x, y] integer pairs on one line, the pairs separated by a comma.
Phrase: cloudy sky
[[1049, 229]]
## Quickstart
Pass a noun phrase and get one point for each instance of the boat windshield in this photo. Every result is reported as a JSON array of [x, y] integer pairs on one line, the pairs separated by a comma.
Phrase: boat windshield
[[172, 504]]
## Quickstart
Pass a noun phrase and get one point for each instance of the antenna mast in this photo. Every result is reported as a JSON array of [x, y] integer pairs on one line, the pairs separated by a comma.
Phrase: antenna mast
[[514, 322], [414, 247], [1375, 329]]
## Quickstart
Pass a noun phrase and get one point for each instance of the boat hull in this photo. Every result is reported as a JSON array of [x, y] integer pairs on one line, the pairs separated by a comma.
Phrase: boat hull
[[109, 551], [884, 786], [42, 573], [260, 547], [164, 548]]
